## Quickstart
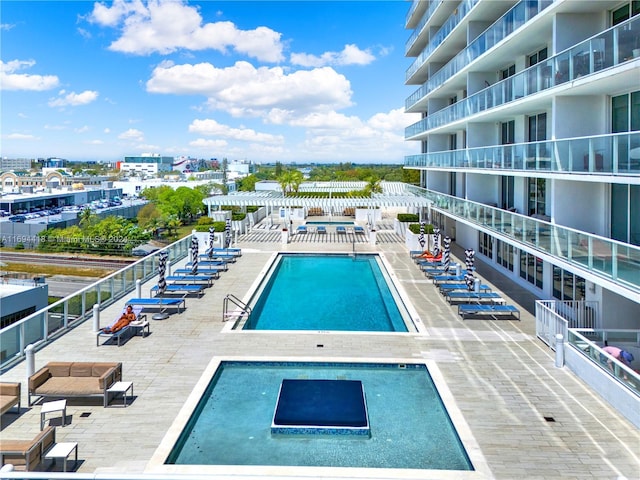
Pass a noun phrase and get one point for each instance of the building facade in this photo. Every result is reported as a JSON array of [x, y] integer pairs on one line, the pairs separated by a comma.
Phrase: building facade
[[530, 141], [146, 165]]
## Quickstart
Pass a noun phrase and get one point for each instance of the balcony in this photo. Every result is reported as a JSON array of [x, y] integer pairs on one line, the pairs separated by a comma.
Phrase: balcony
[[613, 261], [607, 49], [420, 27], [501, 29], [613, 154]]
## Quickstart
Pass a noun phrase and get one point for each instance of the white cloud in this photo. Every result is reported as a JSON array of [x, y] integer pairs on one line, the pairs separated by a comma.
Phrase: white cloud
[[83, 129], [350, 55], [166, 26], [20, 136], [73, 99], [210, 127], [9, 80], [107, 131], [6, 26], [132, 135], [204, 143], [94, 142], [244, 90]]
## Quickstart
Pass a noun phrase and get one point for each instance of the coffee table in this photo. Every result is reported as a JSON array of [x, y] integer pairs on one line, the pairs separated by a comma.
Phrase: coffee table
[[63, 450], [50, 407]]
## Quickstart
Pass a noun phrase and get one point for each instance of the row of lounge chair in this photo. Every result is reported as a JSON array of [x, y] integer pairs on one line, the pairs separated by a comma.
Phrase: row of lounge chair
[[476, 303], [321, 229]]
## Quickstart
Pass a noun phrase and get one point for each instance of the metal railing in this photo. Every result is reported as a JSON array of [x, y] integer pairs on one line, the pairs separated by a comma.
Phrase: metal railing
[[423, 21], [44, 326], [241, 310], [609, 154], [556, 316], [604, 50], [610, 259]]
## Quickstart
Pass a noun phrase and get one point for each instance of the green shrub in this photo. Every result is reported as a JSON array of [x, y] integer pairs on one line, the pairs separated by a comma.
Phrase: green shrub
[[238, 216], [415, 228], [408, 217], [219, 226], [205, 220], [252, 208], [19, 246]]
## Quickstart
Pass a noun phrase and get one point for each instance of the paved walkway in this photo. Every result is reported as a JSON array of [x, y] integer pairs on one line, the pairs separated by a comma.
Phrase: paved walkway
[[501, 378]]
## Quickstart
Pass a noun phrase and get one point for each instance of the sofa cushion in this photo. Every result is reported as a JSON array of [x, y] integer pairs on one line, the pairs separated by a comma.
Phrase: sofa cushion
[[59, 369], [70, 386], [98, 369], [6, 402], [81, 369]]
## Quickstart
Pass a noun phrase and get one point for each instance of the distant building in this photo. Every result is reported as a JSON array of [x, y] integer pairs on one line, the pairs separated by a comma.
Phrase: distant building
[[146, 165], [17, 181], [7, 164], [21, 299]]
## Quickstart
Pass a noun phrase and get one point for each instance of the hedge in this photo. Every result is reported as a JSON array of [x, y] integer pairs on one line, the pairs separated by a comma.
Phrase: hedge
[[408, 217], [415, 228]]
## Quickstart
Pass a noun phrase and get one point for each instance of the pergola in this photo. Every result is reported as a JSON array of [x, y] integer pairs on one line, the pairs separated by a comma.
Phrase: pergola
[[395, 194]]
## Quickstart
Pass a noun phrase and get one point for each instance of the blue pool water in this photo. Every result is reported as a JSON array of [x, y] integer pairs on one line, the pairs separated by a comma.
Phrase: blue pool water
[[410, 428], [326, 292], [328, 223]]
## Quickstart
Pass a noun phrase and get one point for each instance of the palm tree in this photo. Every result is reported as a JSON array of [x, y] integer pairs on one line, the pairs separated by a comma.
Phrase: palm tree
[[86, 217]]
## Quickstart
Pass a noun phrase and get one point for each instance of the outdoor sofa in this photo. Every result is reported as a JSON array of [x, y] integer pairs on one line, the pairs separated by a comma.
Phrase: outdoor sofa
[[9, 396], [74, 379], [26, 455]]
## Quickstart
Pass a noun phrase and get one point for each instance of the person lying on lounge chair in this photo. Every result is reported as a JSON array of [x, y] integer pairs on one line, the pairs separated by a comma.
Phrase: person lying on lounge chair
[[430, 256], [125, 319]]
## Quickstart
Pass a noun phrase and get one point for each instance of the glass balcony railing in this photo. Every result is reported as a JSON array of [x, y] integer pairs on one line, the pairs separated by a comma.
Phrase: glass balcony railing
[[590, 342], [615, 261], [47, 324], [502, 28], [412, 9], [606, 49], [423, 21], [612, 154], [463, 9]]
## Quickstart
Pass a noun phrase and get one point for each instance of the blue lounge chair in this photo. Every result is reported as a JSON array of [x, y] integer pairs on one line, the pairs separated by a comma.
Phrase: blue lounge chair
[[341, 230], [139, 324], [438, 279], [211, 271], [159, 302], [486, 309], [207, 280], [232, 251], [450, 287], [358, 229], [455, 296], [182, 289], [321, 229], [301, 229], [210, 264]]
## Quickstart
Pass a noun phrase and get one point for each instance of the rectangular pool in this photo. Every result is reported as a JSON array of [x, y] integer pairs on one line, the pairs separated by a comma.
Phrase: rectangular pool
[[328, 292], [229, 421]]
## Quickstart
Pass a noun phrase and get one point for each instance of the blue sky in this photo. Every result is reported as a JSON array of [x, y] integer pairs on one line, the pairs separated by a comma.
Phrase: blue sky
[[289, 81]]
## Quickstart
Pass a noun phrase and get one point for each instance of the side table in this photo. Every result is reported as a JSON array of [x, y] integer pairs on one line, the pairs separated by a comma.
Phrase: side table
[[50, 407], [120, 387], [63, 450]]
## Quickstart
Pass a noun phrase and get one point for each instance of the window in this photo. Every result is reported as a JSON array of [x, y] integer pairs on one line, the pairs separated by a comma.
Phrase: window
[[531, 268], [452, 142], [7, 320], [504, 253], [625, 117], [453, 100], [506, 192], [625, 213], [537, 57], [537, 196], [625, 12], [485, 245], [508, 72], [567, 286], [507, 132], [537, 127]]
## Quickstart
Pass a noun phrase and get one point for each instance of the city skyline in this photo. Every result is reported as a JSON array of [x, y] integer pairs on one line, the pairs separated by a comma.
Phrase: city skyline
[[288, 81]]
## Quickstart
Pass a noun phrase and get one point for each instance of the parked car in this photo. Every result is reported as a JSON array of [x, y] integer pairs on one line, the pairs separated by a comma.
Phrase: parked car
[[17, 218]]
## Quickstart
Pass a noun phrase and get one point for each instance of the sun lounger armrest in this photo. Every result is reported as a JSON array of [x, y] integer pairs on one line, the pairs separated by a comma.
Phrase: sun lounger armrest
[[110, 377]]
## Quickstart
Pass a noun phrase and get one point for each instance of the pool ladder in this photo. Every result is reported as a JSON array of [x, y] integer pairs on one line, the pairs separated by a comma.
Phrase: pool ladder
[[241, 309]]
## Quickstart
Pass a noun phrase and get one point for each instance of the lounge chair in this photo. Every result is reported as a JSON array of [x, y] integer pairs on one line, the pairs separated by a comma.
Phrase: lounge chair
[[206, 280], [358, 229], [210, 264], [455, 296], [26, 455], [321, 229], [450, 287], [210, 270], [301, 229], [159, 302], [180, 289], [444, 278], [138, 325], [341, 230], [466, 310]]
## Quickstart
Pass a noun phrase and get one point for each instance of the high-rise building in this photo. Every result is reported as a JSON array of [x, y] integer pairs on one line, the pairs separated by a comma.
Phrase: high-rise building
[[530, 141]]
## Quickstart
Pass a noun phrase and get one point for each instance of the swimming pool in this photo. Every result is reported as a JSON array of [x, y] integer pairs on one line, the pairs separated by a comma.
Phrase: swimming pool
[[227, 420], [328, 292], [329, 223]]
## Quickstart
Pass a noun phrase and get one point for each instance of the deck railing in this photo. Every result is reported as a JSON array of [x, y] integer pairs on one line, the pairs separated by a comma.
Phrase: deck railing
[[44, 326]]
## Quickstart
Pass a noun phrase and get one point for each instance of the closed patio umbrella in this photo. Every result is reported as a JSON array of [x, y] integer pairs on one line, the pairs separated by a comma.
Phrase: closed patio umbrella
[[194, 255], [212, 239], [446, 253], [469, 260], [421, 237], [436, 242], [227, 232], [162, 271]]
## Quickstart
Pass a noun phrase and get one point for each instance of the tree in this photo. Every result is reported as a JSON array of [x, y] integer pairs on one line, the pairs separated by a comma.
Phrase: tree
[[225, 165], [150, 218], [86, 217], [248, 183]]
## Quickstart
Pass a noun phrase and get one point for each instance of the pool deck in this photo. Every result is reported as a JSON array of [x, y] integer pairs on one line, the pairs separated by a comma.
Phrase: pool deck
[[501, 378]]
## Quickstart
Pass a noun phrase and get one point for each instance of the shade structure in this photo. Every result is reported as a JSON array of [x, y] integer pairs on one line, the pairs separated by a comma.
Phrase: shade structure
[[227, 233], [194, 254], [421, 237], [446, 253], [436, 242], [212, 239], [469, 260], [162, 271]]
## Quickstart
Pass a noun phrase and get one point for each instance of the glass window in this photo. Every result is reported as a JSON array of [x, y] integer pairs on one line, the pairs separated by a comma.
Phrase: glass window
[[537, 196], [620, 114], [620, 15], [567, 286], [485, 244]]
